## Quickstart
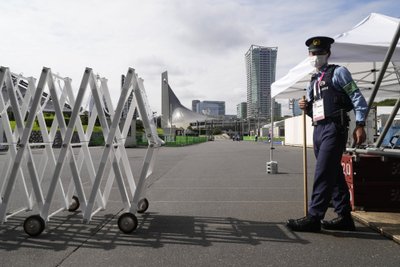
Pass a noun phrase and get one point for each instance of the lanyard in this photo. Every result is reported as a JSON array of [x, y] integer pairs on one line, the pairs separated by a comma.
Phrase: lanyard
[[317, 88]]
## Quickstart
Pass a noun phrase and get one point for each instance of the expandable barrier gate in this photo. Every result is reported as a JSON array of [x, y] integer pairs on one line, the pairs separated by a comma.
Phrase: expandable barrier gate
[[40, 186]]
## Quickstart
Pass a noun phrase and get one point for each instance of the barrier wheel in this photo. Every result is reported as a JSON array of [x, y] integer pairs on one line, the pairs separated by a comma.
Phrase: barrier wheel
[[127, 222], [34, 225], [143, 205], [74, 204]]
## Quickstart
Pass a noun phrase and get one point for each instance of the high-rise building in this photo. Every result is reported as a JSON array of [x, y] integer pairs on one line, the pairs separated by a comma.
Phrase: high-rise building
[[212, 108], [260, 68], [241, 110]]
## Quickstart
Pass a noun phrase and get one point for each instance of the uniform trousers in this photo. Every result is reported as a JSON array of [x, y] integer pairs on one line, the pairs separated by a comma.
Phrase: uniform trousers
[[329, 182]]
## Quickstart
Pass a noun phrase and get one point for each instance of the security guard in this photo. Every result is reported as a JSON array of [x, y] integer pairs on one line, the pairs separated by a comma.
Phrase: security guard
[[330, 95]]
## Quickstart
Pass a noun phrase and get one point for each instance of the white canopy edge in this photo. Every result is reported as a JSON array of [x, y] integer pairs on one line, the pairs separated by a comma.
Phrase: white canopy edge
[[361, 50]]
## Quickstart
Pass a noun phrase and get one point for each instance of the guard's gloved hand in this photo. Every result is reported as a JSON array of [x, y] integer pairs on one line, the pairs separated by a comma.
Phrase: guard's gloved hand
[[359, 135], [303, 104]]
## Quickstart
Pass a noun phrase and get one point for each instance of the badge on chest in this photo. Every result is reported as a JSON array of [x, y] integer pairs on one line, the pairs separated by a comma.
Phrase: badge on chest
[[318, 110]]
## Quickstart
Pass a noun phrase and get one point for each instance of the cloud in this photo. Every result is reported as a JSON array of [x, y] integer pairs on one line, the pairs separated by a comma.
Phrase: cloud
[[201, 43], [211, 27]]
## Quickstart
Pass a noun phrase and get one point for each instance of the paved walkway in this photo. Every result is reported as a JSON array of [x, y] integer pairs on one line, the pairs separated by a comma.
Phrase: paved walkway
[[211, 204]]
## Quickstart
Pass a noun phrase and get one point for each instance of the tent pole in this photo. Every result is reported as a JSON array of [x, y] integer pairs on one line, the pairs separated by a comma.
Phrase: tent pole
[[272, 130], [272, 166], [388, 124], [305, 163], [385, 64]]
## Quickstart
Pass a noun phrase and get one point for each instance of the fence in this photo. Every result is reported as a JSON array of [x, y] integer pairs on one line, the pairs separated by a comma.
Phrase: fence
[[37, 183]]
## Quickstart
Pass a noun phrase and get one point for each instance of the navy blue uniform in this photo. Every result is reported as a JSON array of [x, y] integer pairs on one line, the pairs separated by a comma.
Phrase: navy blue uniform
[[340, 95]]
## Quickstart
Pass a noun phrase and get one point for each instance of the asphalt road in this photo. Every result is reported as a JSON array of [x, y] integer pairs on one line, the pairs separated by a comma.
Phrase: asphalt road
[[211, 204]]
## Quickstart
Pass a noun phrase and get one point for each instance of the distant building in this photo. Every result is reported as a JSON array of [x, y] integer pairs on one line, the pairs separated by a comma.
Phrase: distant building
[[194, 105], [210, 108], [294, 106], [260, 68], [383, 113], [174, 114], [277, 110], [229, 117], [241, 110]]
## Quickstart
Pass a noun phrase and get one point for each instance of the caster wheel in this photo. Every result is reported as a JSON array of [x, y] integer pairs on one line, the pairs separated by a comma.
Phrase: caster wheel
[[143, 205], [74, 204], [127, 223], [34, 225]]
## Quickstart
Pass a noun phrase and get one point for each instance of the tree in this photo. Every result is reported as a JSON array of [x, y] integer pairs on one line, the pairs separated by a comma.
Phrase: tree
[[139, 126], [386, 102], [217, 131]]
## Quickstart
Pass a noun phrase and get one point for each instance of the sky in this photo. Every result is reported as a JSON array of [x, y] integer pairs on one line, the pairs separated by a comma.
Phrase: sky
[[201, 43]]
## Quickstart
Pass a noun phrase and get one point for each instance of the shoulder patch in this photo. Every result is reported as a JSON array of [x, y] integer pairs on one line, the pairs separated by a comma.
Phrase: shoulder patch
[[350, 88]]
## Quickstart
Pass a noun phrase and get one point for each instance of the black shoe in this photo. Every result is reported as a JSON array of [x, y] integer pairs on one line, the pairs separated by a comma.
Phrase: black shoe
[[305, 224], [342, 223]]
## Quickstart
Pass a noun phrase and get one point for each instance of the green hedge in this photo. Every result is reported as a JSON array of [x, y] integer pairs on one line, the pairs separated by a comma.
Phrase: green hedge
[[141, 141], [252, 138], [186, 140]]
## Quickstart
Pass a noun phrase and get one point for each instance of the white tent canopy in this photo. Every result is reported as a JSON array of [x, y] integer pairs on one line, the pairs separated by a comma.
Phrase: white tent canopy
[[362, 50]]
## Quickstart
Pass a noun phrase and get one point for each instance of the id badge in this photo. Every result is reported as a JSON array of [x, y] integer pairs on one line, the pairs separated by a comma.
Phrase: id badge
[[318, 110]]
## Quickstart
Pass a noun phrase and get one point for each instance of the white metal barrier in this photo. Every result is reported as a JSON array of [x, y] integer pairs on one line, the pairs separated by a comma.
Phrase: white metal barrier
[[12, 95], [76, 155], [127, 222]]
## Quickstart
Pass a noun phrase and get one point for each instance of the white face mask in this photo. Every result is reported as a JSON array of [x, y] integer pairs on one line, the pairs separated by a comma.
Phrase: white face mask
[[318, 61]]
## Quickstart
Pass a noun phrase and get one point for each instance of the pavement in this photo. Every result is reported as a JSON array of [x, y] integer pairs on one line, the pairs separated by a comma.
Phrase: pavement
[[211, 204]]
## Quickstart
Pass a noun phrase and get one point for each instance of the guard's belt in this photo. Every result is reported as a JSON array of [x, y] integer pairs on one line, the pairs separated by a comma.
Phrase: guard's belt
[[327, 120]]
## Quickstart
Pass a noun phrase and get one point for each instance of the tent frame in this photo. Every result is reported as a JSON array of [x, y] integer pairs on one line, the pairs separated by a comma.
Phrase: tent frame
[[376, 149]]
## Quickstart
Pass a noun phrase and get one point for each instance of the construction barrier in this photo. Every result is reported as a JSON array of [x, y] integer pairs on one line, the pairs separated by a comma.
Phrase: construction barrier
[[41, 186]]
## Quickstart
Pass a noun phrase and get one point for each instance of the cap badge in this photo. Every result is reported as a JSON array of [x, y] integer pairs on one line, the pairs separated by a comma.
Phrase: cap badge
[[316, 42]]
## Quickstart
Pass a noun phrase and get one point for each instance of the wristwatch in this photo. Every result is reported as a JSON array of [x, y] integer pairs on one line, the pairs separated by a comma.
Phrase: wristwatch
[[360, 123]]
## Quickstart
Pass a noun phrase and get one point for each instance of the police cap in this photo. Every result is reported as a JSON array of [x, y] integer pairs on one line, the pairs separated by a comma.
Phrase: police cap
[[319, 43]]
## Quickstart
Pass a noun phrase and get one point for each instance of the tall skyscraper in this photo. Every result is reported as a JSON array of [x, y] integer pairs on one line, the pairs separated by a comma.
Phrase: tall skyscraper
[[260, 68]]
